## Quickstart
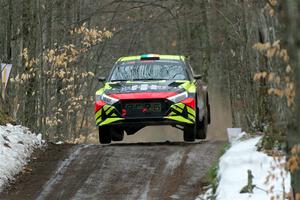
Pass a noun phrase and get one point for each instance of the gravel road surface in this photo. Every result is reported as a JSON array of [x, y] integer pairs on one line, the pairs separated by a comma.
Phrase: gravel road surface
[[118, 171]]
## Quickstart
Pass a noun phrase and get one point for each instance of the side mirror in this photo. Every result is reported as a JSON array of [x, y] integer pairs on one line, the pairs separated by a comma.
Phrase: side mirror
[[101, 79], [198, 76]]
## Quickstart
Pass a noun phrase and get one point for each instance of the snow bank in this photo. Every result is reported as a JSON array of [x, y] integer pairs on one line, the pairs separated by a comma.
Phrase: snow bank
[[16, 145], [233, 167]]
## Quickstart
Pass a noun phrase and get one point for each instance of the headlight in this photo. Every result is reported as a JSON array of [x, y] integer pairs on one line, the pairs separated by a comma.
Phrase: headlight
[[107, 99], [179, 97]]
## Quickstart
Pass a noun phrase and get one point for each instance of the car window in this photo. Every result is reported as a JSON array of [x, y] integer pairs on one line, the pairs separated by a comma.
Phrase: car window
[[149, 70]]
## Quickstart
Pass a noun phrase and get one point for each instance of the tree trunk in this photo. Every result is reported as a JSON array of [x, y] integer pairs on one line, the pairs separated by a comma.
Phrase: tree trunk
[[291, 18]]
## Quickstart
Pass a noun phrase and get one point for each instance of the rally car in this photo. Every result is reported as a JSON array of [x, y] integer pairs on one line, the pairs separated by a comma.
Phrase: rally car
[[150, 90]]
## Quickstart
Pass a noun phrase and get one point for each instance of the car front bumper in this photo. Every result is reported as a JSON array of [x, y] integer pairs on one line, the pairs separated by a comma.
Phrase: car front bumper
[[176, 114]]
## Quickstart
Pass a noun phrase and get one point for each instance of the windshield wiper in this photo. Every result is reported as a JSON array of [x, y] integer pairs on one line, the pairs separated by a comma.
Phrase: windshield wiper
[[148, 79], [175, 84], [120, 80]]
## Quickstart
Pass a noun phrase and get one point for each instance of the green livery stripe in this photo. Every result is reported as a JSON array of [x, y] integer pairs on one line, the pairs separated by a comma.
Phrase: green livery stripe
[[109, 110], [180, 105], [105, 108], [172, 57], [192, 88], [179, 119], [177, 109], [172, 113], [98, 120], [102, 90], [129, 58], [191, 111], [185, 85], [189, 87], [98, 113], [110, 120], [191, 117]]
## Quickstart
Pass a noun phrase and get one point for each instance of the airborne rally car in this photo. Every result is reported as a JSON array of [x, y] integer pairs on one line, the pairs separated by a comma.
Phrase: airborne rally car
[[152, 90]]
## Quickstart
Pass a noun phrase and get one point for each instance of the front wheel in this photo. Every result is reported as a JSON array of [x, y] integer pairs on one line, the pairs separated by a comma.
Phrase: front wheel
[[104, 135], [202, 129], [201, 126], [117, 134]]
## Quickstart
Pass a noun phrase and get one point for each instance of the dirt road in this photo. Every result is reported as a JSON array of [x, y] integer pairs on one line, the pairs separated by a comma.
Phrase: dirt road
[[154, 170], [119, 171]]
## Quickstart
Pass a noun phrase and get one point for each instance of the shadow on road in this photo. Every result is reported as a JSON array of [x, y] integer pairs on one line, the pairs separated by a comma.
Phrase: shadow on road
[[167, 143]]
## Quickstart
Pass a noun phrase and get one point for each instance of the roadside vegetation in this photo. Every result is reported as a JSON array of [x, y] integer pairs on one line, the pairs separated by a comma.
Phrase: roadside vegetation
[[5, 118], [211, 177]]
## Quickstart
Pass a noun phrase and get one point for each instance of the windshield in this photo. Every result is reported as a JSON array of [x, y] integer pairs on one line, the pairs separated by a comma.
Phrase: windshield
[[149, 70]]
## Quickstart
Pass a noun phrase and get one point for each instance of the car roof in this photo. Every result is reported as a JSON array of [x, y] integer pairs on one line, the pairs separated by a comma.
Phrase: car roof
[[154, 56]]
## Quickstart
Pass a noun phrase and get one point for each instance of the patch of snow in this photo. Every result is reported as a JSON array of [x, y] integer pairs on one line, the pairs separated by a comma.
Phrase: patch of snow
[[234, 134], [208, 195], [16, 145], [233, 167], [39, 137]]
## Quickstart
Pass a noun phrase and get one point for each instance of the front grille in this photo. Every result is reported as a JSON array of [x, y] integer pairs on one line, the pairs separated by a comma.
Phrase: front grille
[[154, 108]]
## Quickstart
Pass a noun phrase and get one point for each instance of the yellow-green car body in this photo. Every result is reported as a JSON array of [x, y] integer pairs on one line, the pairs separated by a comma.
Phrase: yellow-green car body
[[151, 90]]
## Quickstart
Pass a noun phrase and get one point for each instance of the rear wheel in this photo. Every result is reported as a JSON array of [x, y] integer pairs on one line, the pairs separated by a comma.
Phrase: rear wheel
[[189, 133], [105, 135]]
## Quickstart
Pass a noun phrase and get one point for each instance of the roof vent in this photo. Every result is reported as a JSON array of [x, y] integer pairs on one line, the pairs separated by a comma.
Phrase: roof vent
[[150, 57]]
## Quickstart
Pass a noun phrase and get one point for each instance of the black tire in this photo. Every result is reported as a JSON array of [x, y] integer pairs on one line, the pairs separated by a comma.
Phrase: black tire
[[208, 114], [202, 129], [104, 135], [117, 135], [208, 110], [189, 133]]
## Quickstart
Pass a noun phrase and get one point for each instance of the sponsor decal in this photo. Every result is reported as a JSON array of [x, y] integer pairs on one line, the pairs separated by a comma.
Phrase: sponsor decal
[[144, 87], [140, 87], [134, 87], [153, 87]]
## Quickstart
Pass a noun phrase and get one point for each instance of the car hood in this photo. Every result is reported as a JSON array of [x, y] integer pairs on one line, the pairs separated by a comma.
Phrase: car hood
[[141, 87]]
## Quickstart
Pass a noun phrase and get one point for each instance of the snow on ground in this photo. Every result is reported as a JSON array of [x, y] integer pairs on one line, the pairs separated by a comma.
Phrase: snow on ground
[[16, 145], [233, 166]]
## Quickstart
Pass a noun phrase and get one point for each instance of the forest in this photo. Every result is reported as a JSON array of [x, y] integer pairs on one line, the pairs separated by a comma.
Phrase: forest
[[247, 50]]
